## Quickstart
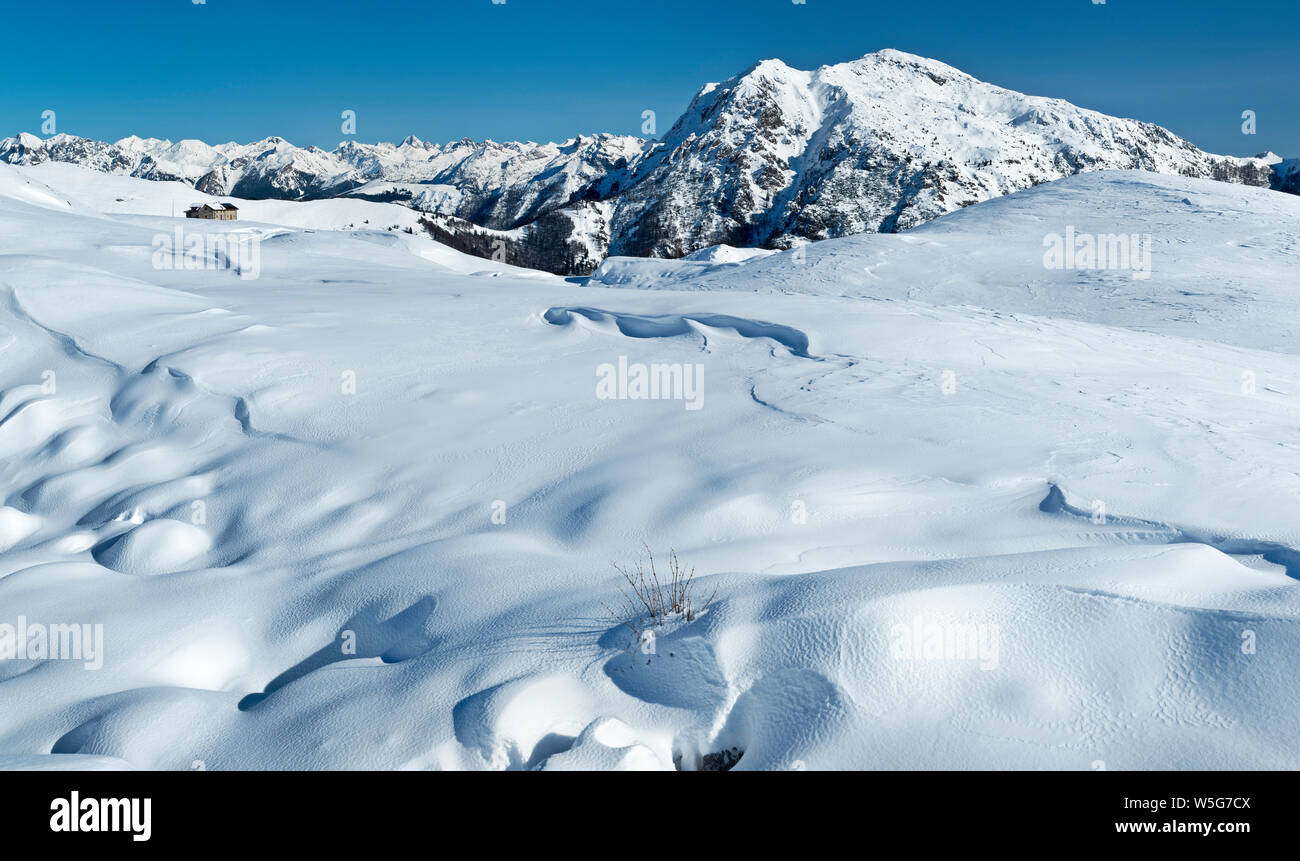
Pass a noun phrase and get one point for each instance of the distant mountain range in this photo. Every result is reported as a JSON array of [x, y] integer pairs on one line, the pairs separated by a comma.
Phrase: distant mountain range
[[770, 158]]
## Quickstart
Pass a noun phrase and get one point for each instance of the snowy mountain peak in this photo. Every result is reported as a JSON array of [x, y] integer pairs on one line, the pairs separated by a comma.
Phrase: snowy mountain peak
[[413, 141], [877, 144], [771, 68], [895, 57]]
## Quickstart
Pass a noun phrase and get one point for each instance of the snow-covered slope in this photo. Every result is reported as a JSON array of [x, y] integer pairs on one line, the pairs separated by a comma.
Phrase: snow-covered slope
[[769, 158], [960, 510]]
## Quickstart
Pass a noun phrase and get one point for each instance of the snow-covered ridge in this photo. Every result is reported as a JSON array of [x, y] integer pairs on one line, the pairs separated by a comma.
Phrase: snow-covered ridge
[[765, 159]]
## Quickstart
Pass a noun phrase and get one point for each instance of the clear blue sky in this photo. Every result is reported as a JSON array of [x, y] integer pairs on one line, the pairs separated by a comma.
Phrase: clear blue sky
[[549, 69]]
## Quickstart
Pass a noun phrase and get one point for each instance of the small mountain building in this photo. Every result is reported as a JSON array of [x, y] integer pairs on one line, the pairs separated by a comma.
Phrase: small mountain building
[[218, 211]]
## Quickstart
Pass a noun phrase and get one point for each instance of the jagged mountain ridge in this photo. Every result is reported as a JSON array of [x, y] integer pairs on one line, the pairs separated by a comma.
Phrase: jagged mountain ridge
[[769, 158], [498, 185]]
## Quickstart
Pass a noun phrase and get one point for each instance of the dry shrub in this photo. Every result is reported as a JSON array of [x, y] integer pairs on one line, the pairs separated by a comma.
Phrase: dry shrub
[[649, 601]]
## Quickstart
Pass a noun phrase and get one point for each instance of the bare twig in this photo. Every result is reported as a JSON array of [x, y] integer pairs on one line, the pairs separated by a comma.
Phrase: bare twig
[[649, 601]]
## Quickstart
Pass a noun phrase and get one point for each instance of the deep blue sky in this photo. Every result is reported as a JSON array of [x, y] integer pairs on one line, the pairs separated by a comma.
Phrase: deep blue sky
[[549, 69]]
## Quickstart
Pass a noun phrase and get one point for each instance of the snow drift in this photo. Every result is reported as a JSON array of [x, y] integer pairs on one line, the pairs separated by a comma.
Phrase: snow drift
[[960, 510]]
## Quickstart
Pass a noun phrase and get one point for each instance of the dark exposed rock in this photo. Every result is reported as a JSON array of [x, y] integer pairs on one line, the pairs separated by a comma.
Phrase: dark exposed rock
[[723, 760]]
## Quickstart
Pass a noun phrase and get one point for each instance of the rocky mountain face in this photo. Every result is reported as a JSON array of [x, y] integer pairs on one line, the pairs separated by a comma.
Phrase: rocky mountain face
[[568, 241], [879, 144], [1286, 175], [770, 158]]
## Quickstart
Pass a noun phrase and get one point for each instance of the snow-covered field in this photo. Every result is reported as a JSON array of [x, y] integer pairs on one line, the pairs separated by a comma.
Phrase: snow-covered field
[[961, 510]]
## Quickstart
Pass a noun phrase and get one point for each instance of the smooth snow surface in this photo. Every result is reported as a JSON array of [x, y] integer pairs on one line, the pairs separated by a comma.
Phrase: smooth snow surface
[[1096, 473]]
